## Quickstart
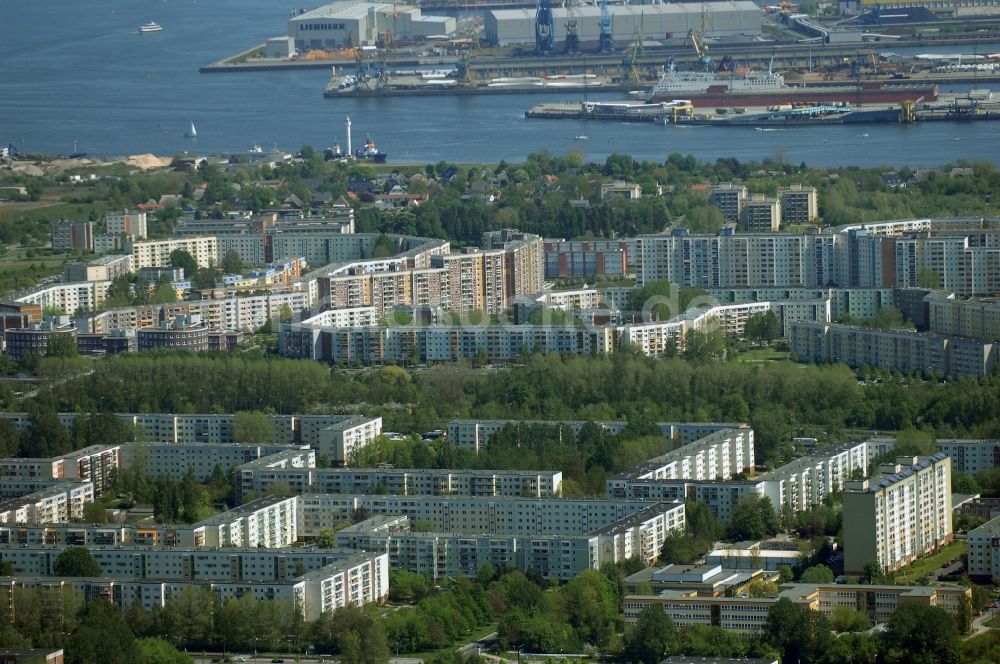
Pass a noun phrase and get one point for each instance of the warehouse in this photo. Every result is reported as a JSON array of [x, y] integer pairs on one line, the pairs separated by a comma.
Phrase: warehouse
[[510, 27], [346, 24]]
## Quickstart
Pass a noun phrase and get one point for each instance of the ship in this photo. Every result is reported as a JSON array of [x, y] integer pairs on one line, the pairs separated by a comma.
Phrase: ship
[[755, 88], [368, 152], [152, 26]]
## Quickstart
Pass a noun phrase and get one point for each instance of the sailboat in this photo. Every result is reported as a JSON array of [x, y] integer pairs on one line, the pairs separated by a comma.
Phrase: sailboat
[[192, 132]]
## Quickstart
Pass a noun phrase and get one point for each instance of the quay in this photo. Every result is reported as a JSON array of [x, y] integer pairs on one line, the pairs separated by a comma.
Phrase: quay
[[949, 107]]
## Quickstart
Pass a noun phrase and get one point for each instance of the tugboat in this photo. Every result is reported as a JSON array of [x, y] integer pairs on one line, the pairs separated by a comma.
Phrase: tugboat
[[370, 153]]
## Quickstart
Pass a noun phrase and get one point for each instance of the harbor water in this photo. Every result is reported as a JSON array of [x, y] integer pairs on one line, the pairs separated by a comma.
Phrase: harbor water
[[79, 77]]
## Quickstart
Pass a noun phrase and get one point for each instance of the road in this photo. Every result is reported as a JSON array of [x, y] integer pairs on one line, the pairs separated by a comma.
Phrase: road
[[289, 659], [477, 647], [978, 626]]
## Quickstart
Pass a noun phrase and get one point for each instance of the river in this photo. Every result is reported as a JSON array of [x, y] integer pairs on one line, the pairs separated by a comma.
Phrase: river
[[78, 76]]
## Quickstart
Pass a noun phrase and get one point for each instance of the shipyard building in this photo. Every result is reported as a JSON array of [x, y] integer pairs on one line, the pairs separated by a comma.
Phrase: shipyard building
[[346, 24], [511, 27]]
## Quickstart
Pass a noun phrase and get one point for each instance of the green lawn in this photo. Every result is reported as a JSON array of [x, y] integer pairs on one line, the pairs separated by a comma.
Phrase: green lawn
[[925, 566], [769, 354]]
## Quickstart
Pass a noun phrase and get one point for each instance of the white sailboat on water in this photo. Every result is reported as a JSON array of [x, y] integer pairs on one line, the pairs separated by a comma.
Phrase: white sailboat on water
[[191, 133]]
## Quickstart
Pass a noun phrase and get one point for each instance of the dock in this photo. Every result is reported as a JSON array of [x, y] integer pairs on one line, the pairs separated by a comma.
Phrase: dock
[[949, 107]]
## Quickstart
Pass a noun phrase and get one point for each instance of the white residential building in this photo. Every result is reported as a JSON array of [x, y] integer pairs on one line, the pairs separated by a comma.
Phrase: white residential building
[[983, 546], [898, 515]]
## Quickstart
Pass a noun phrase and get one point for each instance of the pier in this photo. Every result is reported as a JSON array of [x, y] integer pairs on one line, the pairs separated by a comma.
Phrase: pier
[[949, 107]]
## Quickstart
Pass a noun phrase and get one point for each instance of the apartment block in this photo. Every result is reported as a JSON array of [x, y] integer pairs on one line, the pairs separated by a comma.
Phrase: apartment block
[[974, 319], [859, 303], [326, 433], [760, 214], [983, 546], [964, 258], [729, 198], [57, 503], [717, 456], [381, 344], [559, 553], [38, 339], [283, 467], [175, 460], [799, 204], [105, 268], [898, 515], [182, 332], [971, 456], [898, 350], [467, 514], [268, 522], [152, 577], [585, 258], [68, 298], [130, 224], [259, 476], [156, 253], [748, 615], [96, 464], [475, 434], [72, 235]]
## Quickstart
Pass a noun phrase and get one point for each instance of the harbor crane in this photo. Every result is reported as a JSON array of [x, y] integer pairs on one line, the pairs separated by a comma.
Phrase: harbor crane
[[606, 41], [697, 42], [572, 32], [631, 62], [545, 28]]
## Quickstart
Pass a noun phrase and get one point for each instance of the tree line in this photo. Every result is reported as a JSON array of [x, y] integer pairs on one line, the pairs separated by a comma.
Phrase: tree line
[[778, 400]]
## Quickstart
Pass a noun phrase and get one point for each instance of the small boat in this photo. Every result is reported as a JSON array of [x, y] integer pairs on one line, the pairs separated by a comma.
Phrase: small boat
[[864, 135], [956, 139], [191, 133], [255, 149], [581, 137], [152, 26]]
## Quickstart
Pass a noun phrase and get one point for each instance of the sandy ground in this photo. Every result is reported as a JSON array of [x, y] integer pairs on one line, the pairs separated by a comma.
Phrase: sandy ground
[[58, 166]]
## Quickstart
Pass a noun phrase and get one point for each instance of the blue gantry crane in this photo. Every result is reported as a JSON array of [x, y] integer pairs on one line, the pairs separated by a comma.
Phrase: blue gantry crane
[[545, 28], [606, 42]]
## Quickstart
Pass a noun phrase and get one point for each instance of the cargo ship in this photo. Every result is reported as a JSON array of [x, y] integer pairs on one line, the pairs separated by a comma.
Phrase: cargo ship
[[769, 88]]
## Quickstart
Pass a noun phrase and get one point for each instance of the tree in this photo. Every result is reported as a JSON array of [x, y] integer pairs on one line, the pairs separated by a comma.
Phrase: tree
[[76, 561], [327, 539], [762, 327], [928, 278], [801, 634], [183, 259], [46, 436], [753, 518], [9, 438], [817, 574], [654, 299], [253, 427], [102, 636], [873, 571], [846, 619], [651, 638], [165, 293], [921, 634], [189, 614], [592, 608], [232, 263]]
